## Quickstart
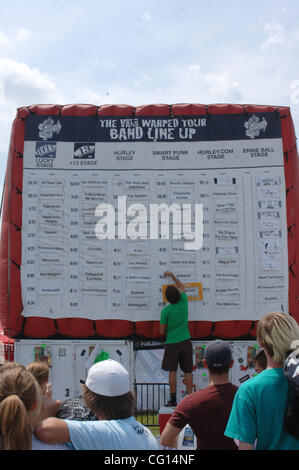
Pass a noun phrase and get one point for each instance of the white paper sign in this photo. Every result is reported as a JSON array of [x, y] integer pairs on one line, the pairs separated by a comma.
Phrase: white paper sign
[[67, 271]]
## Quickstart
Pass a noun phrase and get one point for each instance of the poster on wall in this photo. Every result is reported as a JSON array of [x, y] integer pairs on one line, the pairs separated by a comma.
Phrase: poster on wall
[[111, 203]]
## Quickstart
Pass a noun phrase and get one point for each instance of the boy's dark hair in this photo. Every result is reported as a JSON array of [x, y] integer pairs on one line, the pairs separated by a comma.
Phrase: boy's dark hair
[[261, 359], [172, 294], [220, 369], [119, 407]]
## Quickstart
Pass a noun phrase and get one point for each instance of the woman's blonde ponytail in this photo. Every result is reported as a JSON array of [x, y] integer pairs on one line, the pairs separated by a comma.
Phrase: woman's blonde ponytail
[[15, 430], [18, 393]]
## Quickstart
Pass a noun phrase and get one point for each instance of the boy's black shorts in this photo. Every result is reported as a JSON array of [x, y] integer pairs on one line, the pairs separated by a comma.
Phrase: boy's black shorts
[[178, 353]]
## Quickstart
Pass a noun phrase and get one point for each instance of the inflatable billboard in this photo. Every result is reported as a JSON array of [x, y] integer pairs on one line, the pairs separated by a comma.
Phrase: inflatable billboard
[[100, 201]]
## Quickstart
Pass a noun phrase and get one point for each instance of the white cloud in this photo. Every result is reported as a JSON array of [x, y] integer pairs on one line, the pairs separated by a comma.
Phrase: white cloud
[[88, 96], [146, 16], [105, 64], [295, 92], [4, 40], [275, 34], [279, 35], [189, 84], [222, 86], [21, 85], [143, 79], [2, 93], [211, 86], [22, 82], [9, 43], [23, 34]]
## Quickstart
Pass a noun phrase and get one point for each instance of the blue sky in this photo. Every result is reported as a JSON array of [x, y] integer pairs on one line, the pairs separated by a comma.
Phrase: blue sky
[[147, 51]]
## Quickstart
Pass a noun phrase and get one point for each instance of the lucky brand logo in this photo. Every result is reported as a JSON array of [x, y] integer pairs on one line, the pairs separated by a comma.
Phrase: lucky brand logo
[[48, 128], [45, 150], [254, 126], [45, 153]]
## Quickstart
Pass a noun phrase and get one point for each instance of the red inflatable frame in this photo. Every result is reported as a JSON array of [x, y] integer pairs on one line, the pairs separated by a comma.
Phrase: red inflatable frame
[[15, 325]]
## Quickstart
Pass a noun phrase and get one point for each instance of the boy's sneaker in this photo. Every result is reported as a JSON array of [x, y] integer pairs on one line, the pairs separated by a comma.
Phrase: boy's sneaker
[[171, 403]]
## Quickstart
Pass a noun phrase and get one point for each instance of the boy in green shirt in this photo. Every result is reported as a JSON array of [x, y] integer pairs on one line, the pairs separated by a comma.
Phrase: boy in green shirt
[[178, 346]]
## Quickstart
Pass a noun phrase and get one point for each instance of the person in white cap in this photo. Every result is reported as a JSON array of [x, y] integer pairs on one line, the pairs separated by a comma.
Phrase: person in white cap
[[107, 393]]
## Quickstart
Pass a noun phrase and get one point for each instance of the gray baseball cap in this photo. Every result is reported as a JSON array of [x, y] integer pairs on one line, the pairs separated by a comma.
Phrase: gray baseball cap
[[218, 353]]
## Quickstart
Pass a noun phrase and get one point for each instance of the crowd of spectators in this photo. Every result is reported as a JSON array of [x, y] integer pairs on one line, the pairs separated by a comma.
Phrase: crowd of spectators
[[262, 413]]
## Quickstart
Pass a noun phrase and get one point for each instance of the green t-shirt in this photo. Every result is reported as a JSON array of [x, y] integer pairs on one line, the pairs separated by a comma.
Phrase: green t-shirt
[[258, 412], [175, 316]]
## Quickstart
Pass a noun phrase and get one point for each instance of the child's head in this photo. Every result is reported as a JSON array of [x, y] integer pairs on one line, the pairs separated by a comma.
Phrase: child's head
[[172, 294], [260, 362], [40, 371], [275, 333], [19, 397]]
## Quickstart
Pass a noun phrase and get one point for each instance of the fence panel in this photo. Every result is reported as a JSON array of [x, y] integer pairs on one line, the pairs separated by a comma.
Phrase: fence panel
[[150, 397]]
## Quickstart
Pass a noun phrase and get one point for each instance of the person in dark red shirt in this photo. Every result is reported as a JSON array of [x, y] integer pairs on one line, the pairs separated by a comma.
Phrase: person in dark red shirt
[[207, 410]]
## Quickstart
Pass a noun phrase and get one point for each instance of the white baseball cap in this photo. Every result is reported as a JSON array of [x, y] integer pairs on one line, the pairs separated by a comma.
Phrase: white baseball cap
[[108, 378]]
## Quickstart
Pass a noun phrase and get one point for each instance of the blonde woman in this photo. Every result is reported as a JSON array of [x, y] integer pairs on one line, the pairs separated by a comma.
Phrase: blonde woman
[[260, 404], [19, 406], [20, 403]]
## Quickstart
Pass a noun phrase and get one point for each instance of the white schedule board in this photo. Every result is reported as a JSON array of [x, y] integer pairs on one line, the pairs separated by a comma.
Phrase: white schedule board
[[230, 164]]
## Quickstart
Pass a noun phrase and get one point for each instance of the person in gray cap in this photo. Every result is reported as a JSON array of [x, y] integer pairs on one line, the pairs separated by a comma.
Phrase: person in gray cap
[[207, 410], [107, 394]]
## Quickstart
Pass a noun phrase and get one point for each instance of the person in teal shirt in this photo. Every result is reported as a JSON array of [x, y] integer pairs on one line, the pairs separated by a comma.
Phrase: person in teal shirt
[[178, 345], [260, 404]]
